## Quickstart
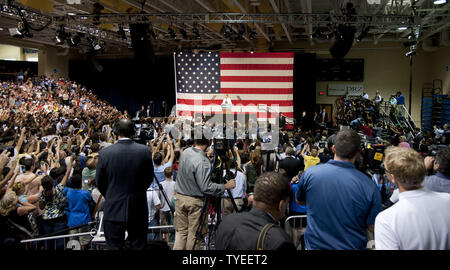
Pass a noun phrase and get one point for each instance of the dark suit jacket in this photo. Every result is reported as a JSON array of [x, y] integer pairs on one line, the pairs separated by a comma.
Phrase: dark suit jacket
[[124, 173], [292, 166], [325, 119], [240, 232]]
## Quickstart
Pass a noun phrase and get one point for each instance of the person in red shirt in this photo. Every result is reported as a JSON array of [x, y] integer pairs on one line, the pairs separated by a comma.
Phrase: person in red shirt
[[367, 129]]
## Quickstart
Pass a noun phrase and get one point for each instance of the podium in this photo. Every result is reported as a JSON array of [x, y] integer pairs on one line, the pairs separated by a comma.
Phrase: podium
[[226, 108]]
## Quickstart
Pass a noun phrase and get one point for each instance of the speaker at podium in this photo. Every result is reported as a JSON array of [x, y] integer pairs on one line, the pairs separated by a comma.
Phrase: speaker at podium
[[227, 105]]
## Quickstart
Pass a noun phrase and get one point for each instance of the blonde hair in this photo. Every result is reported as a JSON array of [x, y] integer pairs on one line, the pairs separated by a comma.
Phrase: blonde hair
[[406, 165], [314, 152], [18, 188], [8, 203]]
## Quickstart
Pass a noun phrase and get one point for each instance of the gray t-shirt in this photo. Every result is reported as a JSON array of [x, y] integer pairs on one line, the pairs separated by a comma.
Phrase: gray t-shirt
[[193, 177]]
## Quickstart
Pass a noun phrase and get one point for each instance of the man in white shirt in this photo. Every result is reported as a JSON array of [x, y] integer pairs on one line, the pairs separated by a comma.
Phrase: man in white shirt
[[154, 204], [226, 104], [237, 192], [420, 219], [168, 185], [378, 97]]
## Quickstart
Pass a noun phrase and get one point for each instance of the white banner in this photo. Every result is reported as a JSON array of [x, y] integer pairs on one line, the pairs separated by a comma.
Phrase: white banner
[[341, 89]]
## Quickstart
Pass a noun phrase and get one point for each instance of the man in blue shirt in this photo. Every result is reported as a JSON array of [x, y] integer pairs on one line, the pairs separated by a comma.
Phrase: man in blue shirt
[[342, 202], [400, 98]]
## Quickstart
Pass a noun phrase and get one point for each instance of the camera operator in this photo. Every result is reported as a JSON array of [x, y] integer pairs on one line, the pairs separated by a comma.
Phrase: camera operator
[[193, 183], [439, 182]]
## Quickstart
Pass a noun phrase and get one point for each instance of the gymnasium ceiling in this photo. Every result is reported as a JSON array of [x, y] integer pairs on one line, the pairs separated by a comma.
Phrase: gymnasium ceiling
[[225, 24]]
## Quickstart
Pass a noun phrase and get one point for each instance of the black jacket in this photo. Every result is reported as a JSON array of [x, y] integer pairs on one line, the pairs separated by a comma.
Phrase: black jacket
[[124, 173], [240, 232], [292, 166]]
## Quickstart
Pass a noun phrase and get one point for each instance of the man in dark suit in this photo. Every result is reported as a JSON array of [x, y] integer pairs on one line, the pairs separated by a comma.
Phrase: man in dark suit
[[244, 231], [124, 173], [147, 112], [324, 116], [140, 113], [290, 164]]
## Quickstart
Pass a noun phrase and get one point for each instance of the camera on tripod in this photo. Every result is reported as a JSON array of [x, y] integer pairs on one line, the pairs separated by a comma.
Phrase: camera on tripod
[[144, 132], [221, 148], [373, 157]]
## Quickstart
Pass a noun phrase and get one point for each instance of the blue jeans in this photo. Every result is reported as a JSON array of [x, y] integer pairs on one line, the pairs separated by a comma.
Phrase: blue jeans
[[51, 226], [152, 236]]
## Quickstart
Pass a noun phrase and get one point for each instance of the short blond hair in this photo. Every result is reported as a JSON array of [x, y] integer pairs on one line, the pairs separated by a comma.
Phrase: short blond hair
[[406, 165]]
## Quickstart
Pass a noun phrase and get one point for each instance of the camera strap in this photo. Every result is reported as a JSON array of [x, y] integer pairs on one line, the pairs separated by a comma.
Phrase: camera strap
[[262, 236]]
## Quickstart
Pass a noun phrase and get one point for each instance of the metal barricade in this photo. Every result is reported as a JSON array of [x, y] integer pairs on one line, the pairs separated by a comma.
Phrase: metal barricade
[[71, 241], [295, 227]]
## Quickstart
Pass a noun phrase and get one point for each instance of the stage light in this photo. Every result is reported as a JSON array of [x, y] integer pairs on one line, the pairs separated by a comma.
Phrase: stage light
[[402, 28], [121, 33], [252, 34], [96, 45], [363, 34], [439, 2], [196, 32], [97, 8], [410, 53], [183, 33], [152, 33], [252, 51], [22, 28], [228, 31], [75, 40], [61, 35], [241, 31], [172, 33]]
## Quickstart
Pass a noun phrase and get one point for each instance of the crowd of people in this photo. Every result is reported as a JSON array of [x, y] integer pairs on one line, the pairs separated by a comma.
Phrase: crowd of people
[[68, 155]]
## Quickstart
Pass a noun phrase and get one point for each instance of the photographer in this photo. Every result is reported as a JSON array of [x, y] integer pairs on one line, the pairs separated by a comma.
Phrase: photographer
[[193, 183]]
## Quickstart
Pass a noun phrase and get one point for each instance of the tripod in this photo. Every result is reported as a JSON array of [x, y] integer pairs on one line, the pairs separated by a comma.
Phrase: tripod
[[213, 204]]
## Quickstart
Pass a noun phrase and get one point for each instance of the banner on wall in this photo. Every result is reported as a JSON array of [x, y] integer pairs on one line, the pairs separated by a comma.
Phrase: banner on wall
[[342, 89]]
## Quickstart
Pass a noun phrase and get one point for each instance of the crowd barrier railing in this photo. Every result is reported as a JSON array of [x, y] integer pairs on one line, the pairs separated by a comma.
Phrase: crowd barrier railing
[[296, 232]]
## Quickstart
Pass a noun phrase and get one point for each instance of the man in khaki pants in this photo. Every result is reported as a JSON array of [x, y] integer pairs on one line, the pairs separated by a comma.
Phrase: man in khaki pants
[[193, 183]]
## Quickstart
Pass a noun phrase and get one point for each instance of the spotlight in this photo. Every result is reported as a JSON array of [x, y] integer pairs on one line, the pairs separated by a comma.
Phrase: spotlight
[[196, 32], [152, 33], [97, 8], [410, 53], [241, 31], [75, 40], [252, 51], [23, 29], [121, 33], [172, 33], [61, 35], [228, 31], [363, 34], [96, 45], [402, 28], [252, 34], [183, 33], [439, 2]]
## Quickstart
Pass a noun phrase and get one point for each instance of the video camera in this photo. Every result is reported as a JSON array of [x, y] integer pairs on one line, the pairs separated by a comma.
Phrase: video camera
[[373, 157], [143, 132]]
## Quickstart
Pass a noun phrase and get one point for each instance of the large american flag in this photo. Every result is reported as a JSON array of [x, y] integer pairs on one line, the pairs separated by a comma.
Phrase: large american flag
[[253, 81]]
